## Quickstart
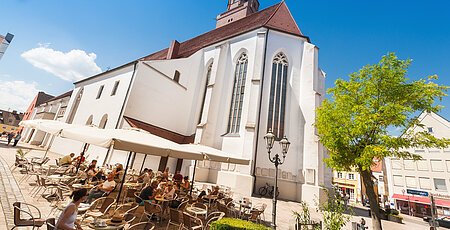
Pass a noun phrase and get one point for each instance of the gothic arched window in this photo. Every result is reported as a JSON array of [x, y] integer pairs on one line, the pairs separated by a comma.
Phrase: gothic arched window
[[237, 99], [103, 121], [277, 100]]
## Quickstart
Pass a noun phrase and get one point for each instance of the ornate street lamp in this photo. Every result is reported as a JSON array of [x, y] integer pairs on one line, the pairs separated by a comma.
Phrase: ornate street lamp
[[276, 160]]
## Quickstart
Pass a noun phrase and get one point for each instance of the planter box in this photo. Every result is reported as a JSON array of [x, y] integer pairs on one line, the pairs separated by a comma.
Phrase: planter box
[[395, 219]]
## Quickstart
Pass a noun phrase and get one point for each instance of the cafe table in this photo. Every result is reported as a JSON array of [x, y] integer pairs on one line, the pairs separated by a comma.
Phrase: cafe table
[[108, 225], [163, 202], [196, 211], [60, 177], [79, 186]]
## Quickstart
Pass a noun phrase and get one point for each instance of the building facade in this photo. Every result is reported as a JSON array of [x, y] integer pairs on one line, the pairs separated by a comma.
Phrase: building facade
[[225, 89], [53, 109], [9, 121], [428, 176]]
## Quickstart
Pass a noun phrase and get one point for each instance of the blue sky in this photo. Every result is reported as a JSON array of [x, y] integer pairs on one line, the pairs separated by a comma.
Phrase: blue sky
[[102, 34]]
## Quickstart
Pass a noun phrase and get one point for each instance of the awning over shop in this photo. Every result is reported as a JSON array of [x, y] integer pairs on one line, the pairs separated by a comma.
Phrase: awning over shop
[[422, 200]]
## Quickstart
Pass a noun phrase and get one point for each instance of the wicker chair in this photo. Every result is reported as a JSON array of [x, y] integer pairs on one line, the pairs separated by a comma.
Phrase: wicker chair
[[142, 226], [99, 207], [214, 216], [151, 210], [176, 218], [191, 222]]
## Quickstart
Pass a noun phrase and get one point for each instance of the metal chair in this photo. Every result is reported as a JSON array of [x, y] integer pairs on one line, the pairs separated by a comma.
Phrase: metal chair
[[24, 208], [175, 218], [51, 225], [151, 210], [191, 222], [142, 226], [99, 207], [214, 216]]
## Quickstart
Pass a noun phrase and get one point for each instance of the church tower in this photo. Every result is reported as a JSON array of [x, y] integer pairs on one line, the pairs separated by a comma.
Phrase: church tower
[[236, 10]]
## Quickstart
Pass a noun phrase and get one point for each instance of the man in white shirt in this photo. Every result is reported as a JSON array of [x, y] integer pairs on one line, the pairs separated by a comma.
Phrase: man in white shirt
[[102, 189]]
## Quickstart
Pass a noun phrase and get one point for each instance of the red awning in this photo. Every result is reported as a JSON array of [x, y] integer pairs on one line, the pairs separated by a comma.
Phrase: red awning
[[422, 199]]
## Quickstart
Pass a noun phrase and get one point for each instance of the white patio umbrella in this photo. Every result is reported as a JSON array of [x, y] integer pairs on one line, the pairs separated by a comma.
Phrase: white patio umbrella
[[213, 154], [132, 141], [49, 126]]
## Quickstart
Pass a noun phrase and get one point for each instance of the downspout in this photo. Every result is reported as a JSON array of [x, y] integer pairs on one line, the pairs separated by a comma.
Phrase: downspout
[[259, 112], [123, 107]]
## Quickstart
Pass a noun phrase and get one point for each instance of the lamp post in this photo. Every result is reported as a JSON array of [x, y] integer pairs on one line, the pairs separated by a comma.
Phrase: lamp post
[[276, 160]]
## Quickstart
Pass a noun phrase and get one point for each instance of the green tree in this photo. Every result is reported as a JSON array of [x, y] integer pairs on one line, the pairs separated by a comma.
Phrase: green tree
[[333, 211], [354, 124]]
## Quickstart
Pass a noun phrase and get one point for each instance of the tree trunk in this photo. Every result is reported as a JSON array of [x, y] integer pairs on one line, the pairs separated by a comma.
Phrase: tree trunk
[[374, 206]]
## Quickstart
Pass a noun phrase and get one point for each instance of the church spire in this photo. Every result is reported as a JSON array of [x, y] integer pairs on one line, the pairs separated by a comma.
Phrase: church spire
[[236, 10]]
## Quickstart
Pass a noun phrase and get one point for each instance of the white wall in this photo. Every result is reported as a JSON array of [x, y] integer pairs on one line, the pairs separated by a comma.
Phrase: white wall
[[89, 105]]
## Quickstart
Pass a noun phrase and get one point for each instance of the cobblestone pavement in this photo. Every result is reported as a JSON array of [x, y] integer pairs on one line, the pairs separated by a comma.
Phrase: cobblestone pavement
[[11, 191]]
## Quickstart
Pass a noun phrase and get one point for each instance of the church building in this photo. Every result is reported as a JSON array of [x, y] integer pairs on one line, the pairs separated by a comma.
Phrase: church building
[[255, 72]]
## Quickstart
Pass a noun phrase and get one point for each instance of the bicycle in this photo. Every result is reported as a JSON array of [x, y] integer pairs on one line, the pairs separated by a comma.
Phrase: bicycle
[[267, 190]]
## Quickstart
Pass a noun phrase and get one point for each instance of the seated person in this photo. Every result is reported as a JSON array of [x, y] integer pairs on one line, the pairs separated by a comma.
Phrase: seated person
[[169, 192], [148, 193], [118, 173], [79, 159], [66, 160], [215, 191], [101, 189], [178, 177], [91, 171], [185, 185], [144, 177]]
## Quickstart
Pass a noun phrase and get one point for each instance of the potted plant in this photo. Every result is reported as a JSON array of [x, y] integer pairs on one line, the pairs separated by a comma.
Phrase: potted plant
[[396, 218], [21, 153]]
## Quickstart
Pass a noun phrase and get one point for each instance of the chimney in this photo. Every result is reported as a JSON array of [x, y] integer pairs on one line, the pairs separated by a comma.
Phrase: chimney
[[173, 49]]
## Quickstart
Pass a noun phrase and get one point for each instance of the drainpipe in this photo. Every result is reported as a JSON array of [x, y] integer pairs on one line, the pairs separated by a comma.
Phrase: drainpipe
[[259, 112], [123, 107]]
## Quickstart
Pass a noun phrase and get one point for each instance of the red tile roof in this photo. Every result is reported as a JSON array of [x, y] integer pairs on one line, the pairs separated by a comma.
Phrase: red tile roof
[[276, 17], [158, 131]]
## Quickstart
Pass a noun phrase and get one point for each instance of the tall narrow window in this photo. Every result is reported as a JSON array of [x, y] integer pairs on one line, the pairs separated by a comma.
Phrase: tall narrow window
[[103, 121], [238, 94], [114, 90], [208, 76], [176, 76], [277, 100], [100, 90]]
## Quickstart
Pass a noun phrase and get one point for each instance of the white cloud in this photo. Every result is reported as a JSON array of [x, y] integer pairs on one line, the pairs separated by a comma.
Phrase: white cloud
[[17, 95], [71, 66]]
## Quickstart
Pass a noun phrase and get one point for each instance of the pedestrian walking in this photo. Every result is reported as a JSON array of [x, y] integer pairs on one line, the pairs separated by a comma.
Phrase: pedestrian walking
[[10, 137], [17, 139]]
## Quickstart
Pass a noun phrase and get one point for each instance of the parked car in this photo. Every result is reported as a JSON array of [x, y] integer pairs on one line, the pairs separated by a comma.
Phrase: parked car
[[443, 221]]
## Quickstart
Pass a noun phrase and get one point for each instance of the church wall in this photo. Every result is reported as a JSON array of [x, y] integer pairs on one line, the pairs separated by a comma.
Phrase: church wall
[[89, 105], [157, 99], [304, 152]]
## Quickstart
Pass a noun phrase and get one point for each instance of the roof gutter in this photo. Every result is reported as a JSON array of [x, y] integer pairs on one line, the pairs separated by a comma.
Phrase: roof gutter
[[123, 105], [259, 112]]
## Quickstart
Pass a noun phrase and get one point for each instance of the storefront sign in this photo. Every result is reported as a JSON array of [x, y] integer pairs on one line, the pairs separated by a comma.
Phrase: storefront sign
[[416, 192]]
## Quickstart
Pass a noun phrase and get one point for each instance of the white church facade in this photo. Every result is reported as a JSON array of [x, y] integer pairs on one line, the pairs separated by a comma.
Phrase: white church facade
[[225, 89]]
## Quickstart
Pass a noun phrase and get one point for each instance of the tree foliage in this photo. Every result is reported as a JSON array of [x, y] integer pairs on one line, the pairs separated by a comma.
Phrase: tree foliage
[[333, 211], [354, 125]]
